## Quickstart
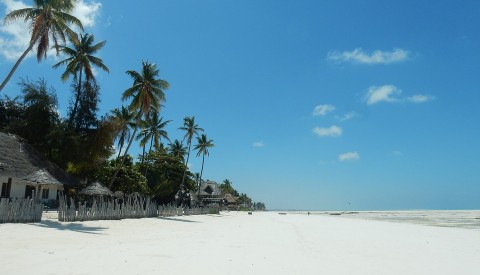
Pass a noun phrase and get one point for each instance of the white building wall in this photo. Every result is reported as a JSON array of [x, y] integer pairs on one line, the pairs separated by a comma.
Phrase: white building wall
[[18, 189]]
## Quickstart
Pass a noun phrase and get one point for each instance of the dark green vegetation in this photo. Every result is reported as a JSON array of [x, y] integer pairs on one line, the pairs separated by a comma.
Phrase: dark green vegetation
[[83, 142]]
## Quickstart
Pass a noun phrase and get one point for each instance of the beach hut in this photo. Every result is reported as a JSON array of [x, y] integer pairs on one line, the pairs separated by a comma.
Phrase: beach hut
[[42, 180], [210, 193], [230, 201], [20, 162], [96, 189]]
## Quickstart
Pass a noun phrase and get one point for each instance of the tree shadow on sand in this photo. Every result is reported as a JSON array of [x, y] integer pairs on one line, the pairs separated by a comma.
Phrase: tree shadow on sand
[[76, 227], [176, 219]]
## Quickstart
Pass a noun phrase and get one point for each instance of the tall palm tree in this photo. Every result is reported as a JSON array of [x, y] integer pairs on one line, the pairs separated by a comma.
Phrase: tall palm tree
[[191, 130], [49, 19], [80, 59], [124, 119], [202, 147], [147, 92], [177, 149], [152, 130]]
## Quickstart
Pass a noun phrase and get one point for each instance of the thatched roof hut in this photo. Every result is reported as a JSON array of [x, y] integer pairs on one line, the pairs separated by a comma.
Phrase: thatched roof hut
[[230, 198], [19, 160], [41, 177], [210, 188], [210, 193], [96, 189]]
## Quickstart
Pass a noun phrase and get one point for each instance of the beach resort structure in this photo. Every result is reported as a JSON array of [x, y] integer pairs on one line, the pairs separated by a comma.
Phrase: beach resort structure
[[230, 201], [25, 172], [210, 193]]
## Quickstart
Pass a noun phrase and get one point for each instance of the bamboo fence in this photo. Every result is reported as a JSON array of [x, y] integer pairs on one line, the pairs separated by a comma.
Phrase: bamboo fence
[[20, 210], [131, 207]]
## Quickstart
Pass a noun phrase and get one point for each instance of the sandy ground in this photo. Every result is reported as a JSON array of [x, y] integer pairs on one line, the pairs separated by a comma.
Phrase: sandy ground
[[237, 243]]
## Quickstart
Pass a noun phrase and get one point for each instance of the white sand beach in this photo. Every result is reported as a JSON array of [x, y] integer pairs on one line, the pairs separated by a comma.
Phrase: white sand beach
[[237, 243]]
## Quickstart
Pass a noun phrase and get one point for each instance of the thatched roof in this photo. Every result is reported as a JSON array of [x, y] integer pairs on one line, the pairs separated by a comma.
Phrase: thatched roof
[[18, 159], [230, 198], [210, 188], [41, 177], [96, 188]]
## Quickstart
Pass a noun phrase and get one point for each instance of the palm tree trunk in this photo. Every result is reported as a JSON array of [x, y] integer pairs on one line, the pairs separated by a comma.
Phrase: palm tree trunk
[[149, 151], [120, 150], [143, 153], [186, 162], [126, 150], [10, 74], [201, 173], [77, 99]]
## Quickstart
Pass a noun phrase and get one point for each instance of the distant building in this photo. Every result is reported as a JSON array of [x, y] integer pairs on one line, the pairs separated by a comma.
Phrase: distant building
[[210, 193], [230, 201], [19, 161]]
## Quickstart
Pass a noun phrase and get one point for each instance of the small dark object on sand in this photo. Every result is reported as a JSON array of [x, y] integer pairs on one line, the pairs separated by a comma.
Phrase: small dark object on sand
[[249, 213], [282, 213]]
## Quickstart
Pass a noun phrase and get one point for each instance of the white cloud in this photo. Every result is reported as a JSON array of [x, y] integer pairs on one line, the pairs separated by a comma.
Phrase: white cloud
[[377, 57], [332, 131], [420, 98], [349, 156], [347, 116], [321, 110], [391, 94], [14, 36], [87, 12], [13, 40], [258, 144], [385, 93]]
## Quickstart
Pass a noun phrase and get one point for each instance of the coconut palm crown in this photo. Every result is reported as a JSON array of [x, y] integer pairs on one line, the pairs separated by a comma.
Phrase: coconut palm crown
[[147, 90], [124, 121], [80, 60], [48, 20], [177, 149]]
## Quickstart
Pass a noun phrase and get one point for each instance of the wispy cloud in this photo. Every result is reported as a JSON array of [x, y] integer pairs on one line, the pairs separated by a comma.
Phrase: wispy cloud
[[385, 93], [258, 144], [14, 37], [397, 153], [350, 156], [332, 131], [420, 98], [377, 57], [347, 116], [392, 94], [322, 110]]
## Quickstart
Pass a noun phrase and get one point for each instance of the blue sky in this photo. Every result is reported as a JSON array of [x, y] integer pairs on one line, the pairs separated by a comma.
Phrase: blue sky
[[316, 105]]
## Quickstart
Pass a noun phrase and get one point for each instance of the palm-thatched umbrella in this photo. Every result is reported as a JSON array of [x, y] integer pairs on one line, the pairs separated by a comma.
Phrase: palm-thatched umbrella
[[41, 178], [96, 189]]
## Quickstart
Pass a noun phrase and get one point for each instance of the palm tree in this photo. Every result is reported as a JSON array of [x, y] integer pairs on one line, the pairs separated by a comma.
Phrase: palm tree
[[177, 149], [124, 120], [80, 59], [147, 92], [49, 19], [203, 144], [152, 130], [191, 130]]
